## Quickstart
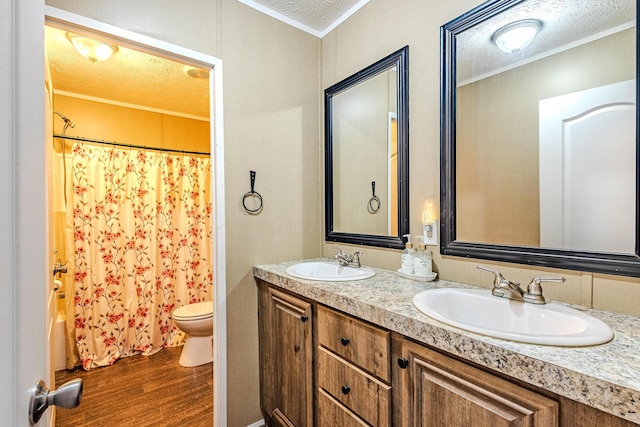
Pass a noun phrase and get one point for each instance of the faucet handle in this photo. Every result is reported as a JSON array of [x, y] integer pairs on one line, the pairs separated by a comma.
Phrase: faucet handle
[[60, 268], [499, 278], [534, 289], [355, 259], [503, 287]]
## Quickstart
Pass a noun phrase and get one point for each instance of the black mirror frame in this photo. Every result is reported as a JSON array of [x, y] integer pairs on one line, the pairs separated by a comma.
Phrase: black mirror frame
[[608, 263], [400, 59]]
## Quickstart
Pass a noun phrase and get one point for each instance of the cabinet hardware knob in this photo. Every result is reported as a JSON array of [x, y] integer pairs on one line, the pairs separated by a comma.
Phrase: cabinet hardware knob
[[346, 389], [402, 362], [304, 318], [344, 341]]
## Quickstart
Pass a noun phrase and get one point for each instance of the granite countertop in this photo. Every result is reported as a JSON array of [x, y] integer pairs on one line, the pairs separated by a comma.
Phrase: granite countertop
[[606, 376]]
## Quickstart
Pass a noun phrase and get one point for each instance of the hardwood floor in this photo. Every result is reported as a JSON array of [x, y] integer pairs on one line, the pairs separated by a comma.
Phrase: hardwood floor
[[142, 391]]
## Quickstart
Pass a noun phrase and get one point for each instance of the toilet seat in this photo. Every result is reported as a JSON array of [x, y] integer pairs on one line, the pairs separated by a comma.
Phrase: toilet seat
[[196, 311]]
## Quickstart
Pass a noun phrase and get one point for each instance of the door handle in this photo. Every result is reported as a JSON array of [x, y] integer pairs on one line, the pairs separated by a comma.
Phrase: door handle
[[66, 396]]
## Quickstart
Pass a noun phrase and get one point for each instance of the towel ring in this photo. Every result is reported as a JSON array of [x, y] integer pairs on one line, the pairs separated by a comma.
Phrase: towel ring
[[252, 194], [374, 202]]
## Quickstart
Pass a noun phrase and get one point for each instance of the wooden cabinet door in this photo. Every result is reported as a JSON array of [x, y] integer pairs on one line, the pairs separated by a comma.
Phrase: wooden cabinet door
[[286, 358], [438, 391]]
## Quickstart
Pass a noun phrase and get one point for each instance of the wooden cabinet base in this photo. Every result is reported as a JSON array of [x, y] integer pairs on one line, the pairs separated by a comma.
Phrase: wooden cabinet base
[[354, 361], [439, 391]]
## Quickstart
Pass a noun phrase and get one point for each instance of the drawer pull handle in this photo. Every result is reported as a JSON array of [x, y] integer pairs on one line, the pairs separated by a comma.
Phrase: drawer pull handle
[[346, 389], [304, 318], [403, 363], [344, 341]]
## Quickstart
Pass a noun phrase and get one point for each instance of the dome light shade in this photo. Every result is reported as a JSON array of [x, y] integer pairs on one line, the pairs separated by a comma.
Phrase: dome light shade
[[92, 49], [196, 73], [514, 37]]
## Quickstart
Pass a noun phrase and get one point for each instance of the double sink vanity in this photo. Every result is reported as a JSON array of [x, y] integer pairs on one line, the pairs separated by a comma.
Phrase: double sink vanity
[[347, 350]]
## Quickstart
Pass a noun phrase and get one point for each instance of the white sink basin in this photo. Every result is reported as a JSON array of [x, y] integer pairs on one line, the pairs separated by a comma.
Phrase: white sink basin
[[479, 311], [327, 271]]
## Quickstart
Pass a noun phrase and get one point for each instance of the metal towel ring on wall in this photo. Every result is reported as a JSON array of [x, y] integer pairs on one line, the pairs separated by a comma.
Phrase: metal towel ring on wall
[[374, 202], [252, 194]]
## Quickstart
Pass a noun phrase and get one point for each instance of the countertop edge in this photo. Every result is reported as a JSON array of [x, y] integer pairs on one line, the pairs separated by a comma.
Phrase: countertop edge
[[493, 354]]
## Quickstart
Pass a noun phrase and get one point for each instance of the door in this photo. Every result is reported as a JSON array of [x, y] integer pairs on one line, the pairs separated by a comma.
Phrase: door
[[286, 349], [23, 248], [588, 169], [435, 390]]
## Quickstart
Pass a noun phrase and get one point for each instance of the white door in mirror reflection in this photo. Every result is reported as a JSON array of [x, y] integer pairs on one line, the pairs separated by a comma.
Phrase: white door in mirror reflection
[[588, 169]]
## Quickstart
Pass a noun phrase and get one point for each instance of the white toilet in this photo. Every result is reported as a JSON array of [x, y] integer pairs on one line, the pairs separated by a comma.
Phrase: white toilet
[[196, 320]]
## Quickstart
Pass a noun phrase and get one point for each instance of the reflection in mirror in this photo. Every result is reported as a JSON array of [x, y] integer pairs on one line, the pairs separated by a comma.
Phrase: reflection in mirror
[[366, 151], [540, 144], [363, 129]]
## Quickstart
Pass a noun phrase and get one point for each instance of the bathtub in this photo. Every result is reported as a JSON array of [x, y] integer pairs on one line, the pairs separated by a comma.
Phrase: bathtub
[[59, 338]]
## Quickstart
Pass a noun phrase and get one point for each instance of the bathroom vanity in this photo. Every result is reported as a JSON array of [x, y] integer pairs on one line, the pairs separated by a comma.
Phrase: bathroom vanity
[[359, 353]]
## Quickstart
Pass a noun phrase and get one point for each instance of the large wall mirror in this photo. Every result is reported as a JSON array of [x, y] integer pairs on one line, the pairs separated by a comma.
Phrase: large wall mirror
[[540, 142], [367, 155]]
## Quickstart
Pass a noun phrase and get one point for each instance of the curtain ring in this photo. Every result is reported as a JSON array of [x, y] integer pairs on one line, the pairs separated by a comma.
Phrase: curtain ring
[[250, 194], [374, 202]]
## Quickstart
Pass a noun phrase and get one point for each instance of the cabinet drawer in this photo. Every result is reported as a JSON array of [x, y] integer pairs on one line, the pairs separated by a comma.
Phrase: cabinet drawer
[[364, 394], [333, 413], [358, 342]]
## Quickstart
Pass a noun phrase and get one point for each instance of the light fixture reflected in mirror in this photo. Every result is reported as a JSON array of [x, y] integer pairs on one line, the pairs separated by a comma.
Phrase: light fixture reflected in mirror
[[514, 37], [92, 49]]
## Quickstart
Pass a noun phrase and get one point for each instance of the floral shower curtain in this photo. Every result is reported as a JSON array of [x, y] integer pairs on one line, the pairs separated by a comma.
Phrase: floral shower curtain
[[142, 244]]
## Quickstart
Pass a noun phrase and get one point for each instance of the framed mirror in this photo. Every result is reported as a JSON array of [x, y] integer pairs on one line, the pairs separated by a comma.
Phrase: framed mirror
[[540, 142], [367, 155]]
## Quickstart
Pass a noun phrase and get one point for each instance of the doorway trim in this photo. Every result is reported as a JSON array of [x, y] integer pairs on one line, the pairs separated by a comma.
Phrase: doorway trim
[[67, 20]]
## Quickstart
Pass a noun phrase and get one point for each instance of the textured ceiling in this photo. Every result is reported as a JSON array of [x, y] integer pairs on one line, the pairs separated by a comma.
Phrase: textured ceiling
[[564, 23], [128, 77], [315, 16]]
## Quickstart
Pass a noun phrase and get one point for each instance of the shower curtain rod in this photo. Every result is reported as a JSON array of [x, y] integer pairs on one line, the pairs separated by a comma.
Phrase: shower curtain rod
[[120, 144]]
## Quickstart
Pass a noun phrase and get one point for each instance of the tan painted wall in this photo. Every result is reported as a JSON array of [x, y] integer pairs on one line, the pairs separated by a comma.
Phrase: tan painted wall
[[360, 41], [272, 118]]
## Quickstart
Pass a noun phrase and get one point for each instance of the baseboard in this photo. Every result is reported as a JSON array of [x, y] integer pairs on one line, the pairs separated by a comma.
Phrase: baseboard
[[257, 424]]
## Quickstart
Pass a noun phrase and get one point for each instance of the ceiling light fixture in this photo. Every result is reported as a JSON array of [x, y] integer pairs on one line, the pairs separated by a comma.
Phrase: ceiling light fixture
[[92, 49], [514, 37], [196, 73]]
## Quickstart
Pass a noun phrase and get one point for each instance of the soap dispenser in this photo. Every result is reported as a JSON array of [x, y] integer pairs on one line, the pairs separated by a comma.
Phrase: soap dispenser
[[408, 255], [422, 261]]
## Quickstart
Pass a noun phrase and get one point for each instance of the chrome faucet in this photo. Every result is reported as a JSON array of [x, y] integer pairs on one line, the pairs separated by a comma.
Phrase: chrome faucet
[[507, 289], [504, 288], [59, 268], [347, 260]]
